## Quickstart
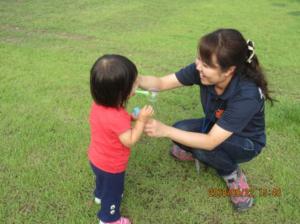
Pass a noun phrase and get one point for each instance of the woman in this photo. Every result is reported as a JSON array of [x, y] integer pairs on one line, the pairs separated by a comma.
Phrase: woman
[[233, 90]]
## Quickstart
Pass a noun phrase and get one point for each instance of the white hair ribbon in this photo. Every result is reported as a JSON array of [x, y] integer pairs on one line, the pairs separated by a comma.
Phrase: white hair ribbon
[[251, 48]]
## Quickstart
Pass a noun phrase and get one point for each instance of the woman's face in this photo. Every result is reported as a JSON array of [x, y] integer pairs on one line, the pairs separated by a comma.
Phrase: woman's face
[[210, 75]]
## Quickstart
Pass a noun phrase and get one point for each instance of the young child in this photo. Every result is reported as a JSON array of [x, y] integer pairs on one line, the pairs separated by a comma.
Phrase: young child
[[113, 81]]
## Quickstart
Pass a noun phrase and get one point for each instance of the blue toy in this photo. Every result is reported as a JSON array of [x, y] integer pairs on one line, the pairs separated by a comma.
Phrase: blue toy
[[136, 112]]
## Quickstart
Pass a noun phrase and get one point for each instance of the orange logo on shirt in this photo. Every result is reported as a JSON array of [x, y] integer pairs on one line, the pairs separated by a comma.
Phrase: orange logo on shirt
[[219, 113]]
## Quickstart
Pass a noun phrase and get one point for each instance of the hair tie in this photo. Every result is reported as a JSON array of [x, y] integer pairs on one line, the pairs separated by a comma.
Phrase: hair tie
[[250, 45]]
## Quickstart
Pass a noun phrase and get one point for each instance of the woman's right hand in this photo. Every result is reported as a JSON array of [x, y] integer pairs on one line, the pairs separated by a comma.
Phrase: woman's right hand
[[155, 128], [145, 113]]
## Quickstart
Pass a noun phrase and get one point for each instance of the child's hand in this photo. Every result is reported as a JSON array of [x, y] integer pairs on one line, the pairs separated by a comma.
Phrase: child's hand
[[145, 113]]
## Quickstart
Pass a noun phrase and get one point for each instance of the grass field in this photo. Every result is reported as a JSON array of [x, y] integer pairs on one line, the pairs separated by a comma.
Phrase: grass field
[[46, 51]]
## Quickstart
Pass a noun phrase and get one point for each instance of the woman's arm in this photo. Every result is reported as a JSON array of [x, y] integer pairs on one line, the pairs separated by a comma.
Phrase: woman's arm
[[158, 83], [131, 136], [209, 141]]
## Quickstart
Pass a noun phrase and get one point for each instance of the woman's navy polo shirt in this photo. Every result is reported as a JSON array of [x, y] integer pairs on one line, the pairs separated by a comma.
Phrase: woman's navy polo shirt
[[240, 109]]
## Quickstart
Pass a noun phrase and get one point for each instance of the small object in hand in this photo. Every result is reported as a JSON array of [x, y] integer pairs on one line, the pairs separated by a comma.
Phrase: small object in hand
[[142, 92], [136, 112], [153, 95]]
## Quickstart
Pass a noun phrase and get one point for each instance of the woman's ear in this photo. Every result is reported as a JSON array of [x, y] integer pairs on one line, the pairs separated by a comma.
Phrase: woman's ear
[[230, 71]]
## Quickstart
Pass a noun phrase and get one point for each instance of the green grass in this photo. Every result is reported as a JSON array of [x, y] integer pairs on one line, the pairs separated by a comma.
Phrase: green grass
[[46, 51]]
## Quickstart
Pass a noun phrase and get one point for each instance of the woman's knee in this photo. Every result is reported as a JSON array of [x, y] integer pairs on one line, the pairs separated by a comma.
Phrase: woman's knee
[[203, 155], [189, 125], [181, 125]]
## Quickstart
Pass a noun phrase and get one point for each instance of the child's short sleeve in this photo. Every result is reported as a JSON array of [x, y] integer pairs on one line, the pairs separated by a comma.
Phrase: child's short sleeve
[[120, 122]]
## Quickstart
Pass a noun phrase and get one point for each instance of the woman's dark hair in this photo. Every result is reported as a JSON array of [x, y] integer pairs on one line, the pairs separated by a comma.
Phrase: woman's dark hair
[[111, 81], [231, 49]]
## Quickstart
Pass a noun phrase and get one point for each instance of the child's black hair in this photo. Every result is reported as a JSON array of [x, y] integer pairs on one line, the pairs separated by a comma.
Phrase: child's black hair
[[111, 81]]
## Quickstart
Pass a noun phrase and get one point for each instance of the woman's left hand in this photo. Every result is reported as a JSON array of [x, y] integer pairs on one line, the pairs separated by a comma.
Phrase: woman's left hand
[[155, 128]]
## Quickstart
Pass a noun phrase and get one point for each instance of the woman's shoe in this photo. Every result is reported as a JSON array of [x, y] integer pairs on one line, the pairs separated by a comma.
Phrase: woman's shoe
[[239, 192], [181, 154]]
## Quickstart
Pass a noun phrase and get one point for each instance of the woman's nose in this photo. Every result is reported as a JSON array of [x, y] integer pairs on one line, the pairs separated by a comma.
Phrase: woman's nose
[[198, 65]]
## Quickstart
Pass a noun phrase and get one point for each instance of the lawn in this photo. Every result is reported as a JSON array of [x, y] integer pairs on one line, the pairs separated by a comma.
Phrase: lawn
[[46, 51]]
